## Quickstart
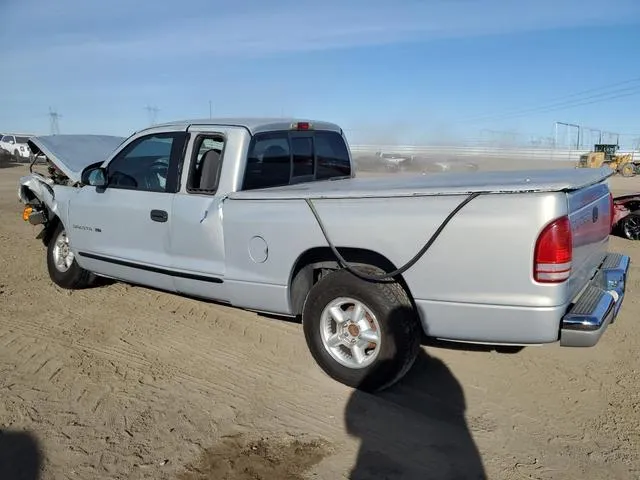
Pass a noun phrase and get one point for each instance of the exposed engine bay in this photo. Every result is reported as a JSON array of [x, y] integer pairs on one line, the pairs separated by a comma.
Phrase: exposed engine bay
[[57, 175]]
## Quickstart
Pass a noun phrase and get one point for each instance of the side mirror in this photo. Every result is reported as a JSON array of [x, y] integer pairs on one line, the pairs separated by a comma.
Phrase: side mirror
[[94, 176], [11, 142]]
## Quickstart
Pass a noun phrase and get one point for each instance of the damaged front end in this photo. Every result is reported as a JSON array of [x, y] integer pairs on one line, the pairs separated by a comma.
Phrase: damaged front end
[[38, 195], [45, 195]]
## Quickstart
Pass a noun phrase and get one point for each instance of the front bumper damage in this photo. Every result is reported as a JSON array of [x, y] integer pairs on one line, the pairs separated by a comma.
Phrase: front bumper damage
[[598, 305]]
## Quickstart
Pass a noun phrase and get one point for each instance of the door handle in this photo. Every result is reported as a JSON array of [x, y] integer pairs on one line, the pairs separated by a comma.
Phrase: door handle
[[159, 215]]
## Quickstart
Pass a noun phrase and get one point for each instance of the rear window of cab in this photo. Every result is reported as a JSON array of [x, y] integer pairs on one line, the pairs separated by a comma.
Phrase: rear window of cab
[[287, 157]]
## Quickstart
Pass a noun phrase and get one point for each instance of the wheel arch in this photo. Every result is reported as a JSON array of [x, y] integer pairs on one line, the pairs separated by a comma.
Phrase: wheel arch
[[50, 228], [314, 263]]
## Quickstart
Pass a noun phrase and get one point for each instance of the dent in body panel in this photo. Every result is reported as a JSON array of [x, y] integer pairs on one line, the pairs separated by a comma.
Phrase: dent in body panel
[[55, 197], [197, 245], [197, 237], [64, 195]]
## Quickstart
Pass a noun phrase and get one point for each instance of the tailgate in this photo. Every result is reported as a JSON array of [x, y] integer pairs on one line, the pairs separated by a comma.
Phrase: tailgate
[[590, 217]]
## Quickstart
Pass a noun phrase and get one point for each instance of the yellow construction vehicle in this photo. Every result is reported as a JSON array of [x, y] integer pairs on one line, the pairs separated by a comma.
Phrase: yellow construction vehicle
[[605, 154]]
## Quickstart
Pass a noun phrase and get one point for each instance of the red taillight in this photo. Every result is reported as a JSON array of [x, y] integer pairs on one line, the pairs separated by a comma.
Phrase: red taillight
[[554, 252]]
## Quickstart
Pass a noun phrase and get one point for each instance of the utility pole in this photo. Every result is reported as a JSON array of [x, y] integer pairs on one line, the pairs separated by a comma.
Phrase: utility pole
[[53, 122], [153, 113]]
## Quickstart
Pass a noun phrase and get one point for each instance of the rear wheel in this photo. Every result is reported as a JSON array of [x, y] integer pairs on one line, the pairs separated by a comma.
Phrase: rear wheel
[[363, 334], [62, 265]]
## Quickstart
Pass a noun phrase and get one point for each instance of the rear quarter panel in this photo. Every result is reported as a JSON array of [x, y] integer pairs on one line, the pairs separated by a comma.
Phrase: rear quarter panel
[[484, 255]]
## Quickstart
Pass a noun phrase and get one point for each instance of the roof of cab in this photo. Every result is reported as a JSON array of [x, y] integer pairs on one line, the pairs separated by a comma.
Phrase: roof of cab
[[253, 124]]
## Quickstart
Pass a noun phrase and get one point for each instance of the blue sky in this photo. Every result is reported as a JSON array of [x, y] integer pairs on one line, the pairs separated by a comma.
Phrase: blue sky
[[406, 71]]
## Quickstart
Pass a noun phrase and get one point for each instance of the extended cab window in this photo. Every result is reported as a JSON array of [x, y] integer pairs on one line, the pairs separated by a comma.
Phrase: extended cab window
[[206, 164], [146, 164], [282, 158]]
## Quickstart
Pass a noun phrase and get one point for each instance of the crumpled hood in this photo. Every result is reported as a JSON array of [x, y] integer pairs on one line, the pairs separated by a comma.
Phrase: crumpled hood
[[73, 153]]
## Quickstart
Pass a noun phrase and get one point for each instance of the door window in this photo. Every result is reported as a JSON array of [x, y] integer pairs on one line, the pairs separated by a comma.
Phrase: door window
[[147, 163], [206, 164]]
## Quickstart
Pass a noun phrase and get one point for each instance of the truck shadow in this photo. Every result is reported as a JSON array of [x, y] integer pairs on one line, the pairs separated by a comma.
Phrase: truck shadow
[[20, 456], [471, 347], [415, 429]]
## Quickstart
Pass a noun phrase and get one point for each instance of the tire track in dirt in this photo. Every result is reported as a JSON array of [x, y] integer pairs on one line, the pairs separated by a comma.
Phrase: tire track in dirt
[[126, 356], [193, 351], [178, 344], [172, 336]]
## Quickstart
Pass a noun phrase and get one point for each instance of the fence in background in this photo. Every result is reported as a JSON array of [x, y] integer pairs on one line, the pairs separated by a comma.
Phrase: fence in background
[[481, 152]]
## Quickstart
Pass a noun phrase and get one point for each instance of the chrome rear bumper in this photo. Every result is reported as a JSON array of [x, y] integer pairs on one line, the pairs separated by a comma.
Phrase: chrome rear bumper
[[598, 305]]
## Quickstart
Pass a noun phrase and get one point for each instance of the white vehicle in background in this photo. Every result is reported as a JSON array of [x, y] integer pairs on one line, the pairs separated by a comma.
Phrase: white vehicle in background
[[16, 145]]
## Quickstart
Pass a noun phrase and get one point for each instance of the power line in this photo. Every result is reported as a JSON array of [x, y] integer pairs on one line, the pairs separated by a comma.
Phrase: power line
[[595, 89], [635, 91], [555, 105], [563, 106]]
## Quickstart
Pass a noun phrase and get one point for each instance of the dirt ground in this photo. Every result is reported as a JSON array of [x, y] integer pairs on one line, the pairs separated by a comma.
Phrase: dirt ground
[[127, 382]]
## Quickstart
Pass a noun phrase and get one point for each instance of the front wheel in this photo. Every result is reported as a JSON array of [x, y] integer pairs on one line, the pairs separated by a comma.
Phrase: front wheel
[[363, 334], [62, 265]]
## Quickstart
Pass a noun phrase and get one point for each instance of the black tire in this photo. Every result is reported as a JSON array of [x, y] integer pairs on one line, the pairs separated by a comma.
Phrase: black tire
[[75, 277], [630, 226], [400, 330]]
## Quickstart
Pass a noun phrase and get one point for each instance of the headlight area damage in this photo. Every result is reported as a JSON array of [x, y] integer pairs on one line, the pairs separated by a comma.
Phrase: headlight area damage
[[65, 157], [37, 193]]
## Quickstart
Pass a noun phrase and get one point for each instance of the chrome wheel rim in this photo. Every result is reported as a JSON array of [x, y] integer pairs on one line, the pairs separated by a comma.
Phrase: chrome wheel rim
[[632, 227], [350, 332], [62, 254]]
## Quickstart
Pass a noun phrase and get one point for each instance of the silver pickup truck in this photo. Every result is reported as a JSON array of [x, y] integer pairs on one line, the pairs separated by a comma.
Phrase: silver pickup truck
[[268, 215]]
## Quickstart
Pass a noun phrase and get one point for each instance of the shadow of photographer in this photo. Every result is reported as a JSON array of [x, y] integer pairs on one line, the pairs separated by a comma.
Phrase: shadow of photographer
[[20, 456], [414, 430]]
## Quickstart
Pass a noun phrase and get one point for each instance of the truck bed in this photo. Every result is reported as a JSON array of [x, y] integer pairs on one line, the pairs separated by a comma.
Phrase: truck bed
[[453, 183]]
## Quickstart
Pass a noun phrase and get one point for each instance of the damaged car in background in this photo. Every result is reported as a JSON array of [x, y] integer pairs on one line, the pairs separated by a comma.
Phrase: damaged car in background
[[268, 215], [399, 162], [627, 216]]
